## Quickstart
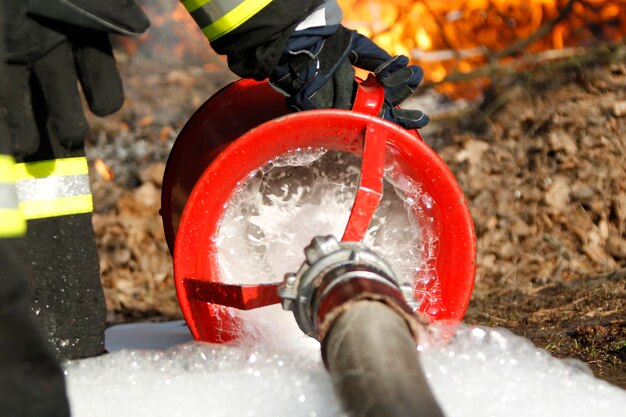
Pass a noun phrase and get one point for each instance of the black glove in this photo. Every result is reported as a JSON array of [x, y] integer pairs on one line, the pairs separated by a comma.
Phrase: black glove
[[50, 45], [316, 71]]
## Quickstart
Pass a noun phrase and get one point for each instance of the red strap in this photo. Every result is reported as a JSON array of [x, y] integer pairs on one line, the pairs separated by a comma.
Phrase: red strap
[[243, 297], [371, 184]]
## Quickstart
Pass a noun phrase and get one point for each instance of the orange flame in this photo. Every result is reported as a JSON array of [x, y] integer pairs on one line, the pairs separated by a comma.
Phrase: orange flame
[[445, 36]]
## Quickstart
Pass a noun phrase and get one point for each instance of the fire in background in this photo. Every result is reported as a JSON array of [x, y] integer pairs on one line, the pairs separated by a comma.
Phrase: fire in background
[[458, 35], [443, 36]]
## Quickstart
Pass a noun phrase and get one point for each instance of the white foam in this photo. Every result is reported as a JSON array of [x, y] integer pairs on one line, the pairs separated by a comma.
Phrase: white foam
[[197, 379], [275, 213], [481, 372], [491, 372]]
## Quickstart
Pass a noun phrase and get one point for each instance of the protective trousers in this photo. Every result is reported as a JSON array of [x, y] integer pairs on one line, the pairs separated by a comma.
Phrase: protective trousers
[[31, 380], [60, 248]]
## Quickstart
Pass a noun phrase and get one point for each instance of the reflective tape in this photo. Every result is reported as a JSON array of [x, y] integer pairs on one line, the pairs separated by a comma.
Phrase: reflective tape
[[52, 188], [32, 210], [8, 196], [218, 17], [59, 167], [7, 169], [12, 222], [192, 5], [58, 187]]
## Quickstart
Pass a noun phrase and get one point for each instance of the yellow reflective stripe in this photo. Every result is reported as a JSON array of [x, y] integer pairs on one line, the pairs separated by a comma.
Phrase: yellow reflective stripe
[[54, 167], [40, 209], [233, 19], [12, 223], [192, 5], [7, 169], [58, 200]]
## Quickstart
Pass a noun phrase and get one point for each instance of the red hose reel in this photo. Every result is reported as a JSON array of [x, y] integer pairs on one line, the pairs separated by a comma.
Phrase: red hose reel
[[247, 124]]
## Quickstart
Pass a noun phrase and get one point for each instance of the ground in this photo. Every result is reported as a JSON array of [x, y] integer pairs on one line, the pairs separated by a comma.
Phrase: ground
[[543, 172]]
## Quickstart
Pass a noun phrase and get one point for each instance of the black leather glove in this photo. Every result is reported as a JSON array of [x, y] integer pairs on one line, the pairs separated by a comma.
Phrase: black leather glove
[[316, 71], [50, 45]]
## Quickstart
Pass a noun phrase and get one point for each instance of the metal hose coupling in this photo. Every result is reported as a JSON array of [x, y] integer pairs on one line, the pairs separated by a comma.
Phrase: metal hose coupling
[[336, 275]]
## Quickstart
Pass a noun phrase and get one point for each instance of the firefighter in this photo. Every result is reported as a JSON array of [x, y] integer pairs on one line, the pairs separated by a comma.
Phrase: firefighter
[[52, 45], [31, 379]]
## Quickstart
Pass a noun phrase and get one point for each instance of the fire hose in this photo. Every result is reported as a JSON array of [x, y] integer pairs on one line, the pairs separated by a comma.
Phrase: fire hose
[[344, 294], [350, 299]]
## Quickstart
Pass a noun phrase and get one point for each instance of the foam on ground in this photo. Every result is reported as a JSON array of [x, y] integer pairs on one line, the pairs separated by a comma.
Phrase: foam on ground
[[480, 372]]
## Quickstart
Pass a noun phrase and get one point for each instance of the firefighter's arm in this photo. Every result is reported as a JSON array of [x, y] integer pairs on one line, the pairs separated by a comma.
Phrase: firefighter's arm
[[251, 33], [306, 53]]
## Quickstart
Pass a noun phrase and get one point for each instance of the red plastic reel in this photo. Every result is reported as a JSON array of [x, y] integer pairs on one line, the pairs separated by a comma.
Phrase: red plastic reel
[[239, 130]]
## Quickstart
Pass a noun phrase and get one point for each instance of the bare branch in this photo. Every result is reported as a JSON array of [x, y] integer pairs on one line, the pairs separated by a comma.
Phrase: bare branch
[[543, 61]]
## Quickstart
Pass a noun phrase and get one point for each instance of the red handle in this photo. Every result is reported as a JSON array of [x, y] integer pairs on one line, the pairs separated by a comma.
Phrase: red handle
[[370, 96]]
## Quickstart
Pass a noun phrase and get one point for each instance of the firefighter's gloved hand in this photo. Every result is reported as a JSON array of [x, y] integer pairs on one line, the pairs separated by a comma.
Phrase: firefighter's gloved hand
[[400, 81], [317, 72], [50, 45]]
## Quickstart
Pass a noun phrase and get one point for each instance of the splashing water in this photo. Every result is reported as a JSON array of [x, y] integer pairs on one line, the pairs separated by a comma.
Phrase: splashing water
[[276, 212]]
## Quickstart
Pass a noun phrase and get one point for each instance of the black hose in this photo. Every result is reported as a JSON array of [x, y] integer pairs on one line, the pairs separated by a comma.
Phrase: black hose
[[374, 364]]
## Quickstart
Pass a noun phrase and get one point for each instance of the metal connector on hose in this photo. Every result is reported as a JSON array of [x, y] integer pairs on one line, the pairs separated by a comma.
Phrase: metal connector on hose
[[335, 273], [350, 299]]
